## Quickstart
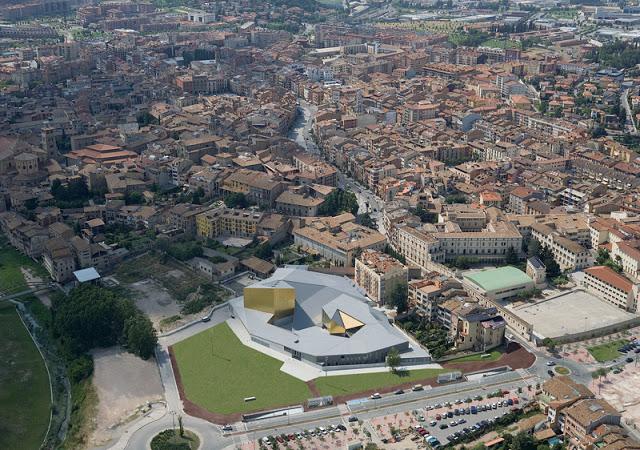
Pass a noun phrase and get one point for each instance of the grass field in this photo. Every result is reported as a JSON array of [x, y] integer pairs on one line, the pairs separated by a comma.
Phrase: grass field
[[607, 352], [11, 278], [218, 372], [560, 370], [501, 43], [350, 384], [494, 356], [24, 396]]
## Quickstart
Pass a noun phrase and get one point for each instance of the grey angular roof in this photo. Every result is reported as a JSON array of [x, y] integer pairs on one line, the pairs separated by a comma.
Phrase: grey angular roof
[[304, 333]]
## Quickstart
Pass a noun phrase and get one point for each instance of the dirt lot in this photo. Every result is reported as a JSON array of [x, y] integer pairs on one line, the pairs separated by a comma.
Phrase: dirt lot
[[154, 301], [622, 392], [123, 383]]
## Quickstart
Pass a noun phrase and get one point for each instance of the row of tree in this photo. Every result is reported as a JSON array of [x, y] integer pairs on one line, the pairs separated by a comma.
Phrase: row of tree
[[546, 256], [339, 201], [92, 316]]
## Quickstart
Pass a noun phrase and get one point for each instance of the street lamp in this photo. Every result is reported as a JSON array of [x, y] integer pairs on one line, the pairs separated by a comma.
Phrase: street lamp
[[173, 420]]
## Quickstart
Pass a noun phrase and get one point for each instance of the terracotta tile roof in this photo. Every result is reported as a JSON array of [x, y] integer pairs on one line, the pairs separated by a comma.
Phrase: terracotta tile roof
[[610, 277]]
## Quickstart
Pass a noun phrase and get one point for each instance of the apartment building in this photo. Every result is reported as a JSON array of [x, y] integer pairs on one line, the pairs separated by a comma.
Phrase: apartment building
[[445, 242], [417, 246], [583, 417], [88, 254], [298, 204], [224, 221], [520, 196], [558, 394], [612, 287], [627, 254], [59, 260], [183, 216], [378, 274], [337, 239], [465, 216], [568, 254], [26, 236], [490, 244], [315, 170], [424, 295], [258, 187], [476, 328]]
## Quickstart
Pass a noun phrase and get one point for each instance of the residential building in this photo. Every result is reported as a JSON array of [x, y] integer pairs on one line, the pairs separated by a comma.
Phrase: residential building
[[337, 239], [559, 393], [258, 187], [58, 259], [568, 254], [612, 287], [476, 328], [225, 221], [379, 274], [583, 417]]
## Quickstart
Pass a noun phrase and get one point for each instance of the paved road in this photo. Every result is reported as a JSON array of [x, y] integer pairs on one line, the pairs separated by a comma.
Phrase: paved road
[[301, 130], [388, 405], [631, 122]]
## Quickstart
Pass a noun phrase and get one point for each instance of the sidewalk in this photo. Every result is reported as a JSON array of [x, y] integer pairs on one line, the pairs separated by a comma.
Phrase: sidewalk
[[156, 413]]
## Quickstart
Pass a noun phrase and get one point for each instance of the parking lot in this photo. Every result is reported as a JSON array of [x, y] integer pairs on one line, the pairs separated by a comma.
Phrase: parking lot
[[443, 421], [330, 436], [411, 428]]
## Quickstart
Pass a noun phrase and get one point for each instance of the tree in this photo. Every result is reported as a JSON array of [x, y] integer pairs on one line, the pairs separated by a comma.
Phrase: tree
[[393, 359], [533, 248], [398, 297], [603, 256], [512, 256], [463, 262], [598, 131], [264, 251], [140, 336], [550, 344], [133, 198], [90, 317], [337, 202], [552, 267], [367, 221], [523, 441], [236, 200]]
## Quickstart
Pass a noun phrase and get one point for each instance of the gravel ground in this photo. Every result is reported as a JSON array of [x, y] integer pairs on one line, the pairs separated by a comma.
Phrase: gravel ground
[[155, 301], [123, 382]]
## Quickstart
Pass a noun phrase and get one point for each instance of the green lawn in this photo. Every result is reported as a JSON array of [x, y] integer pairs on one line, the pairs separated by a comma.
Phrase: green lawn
[[501, 43], [24, 394], [218, 372], [607, 352], [11, 279], [561, 370], [350, 384], [494, 356]]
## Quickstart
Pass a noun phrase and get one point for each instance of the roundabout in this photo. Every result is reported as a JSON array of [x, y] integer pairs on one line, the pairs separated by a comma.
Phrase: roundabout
[[175, 439]]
